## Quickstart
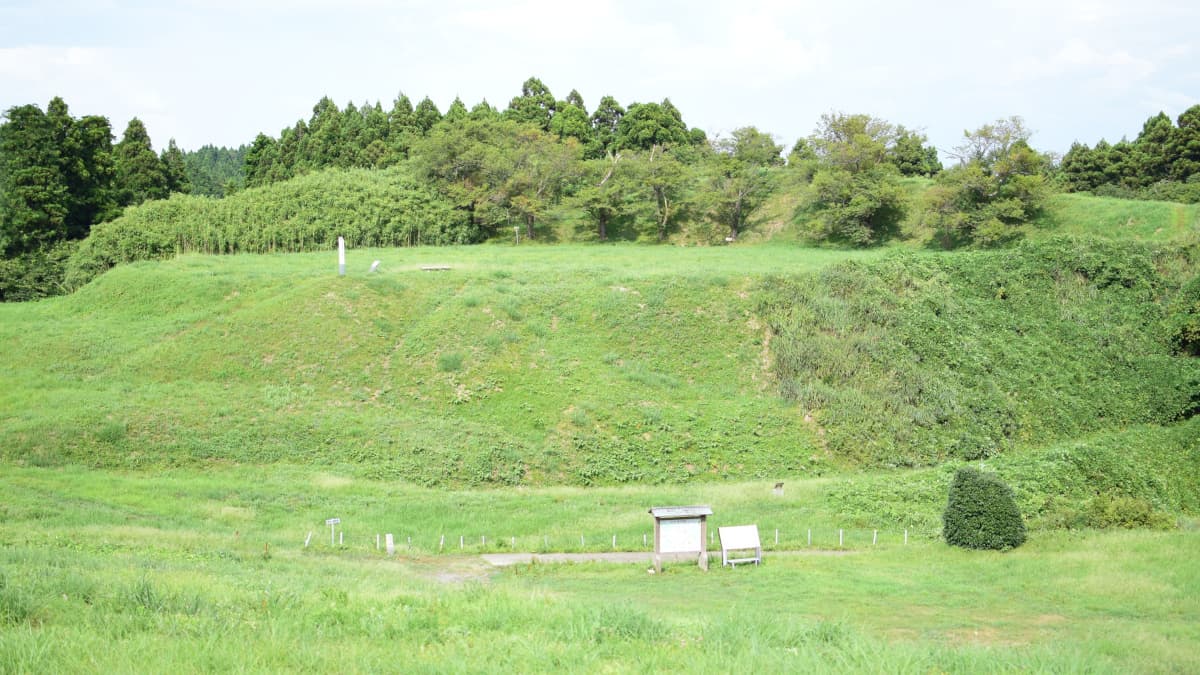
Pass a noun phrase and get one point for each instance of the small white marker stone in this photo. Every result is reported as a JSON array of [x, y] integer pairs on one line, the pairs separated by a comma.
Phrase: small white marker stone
[[374, 266], [391, 545]]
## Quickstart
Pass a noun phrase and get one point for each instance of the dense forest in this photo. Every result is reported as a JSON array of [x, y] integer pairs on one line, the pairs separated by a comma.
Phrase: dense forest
[[632, 172]]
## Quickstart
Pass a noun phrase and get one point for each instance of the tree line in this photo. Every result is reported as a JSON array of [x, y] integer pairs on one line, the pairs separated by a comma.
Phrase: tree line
[[1162, 162], [635, 171]]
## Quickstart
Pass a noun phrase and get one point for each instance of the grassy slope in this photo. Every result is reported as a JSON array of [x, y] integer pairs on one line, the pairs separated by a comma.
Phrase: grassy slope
[[1079, 214], [512, 366]]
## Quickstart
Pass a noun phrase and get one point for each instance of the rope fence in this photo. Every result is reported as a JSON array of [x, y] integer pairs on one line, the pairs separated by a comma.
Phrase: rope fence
[[773, 539]]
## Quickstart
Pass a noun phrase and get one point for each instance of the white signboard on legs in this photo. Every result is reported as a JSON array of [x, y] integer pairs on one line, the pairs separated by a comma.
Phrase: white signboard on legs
[[681, 535]]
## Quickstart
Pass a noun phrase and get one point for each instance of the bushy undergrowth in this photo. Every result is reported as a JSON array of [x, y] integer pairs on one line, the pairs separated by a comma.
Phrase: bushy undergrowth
[[981, 512], [367, 208], [1137, 477], [35, 275], [918, 359]]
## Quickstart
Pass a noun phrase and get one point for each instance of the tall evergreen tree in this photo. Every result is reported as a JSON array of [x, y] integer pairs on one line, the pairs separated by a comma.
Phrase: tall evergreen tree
[[534, 106], [605, 121], [140, 174], [34, 198], [1184, 146], [88, 169], [457, 112], [1150, 161], [484, 111], [426, 115], [175, 169]]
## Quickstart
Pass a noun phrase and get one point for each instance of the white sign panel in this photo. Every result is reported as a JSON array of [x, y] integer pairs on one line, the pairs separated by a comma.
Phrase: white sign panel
[[739, 537], [333, 521], [679, 536]]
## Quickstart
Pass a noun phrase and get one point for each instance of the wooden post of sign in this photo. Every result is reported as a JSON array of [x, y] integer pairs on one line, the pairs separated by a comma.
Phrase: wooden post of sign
[[341, 257], [442, 542], [307, 539], [777, 536], [810, 537], [460, 542], [874, 536], [376, 541], [906, 536], [839, 538]]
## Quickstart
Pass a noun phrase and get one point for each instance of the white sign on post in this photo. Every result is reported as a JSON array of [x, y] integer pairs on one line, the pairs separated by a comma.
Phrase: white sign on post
[[332, 523], [341, 257]]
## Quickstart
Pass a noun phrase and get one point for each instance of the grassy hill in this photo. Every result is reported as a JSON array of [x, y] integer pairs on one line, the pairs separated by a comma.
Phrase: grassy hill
[[543, 364], [584, 365]]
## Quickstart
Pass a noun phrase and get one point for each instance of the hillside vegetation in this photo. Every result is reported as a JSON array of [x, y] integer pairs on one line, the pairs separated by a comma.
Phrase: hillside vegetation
[[585, 365]]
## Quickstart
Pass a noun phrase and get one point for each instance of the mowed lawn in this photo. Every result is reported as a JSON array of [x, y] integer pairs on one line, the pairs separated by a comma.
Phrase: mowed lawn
[[116, 572]]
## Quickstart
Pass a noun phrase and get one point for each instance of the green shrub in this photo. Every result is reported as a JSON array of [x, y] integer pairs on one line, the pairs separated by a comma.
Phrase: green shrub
[[1184, 321], [1126, 512], [35, 274], [981, 512]]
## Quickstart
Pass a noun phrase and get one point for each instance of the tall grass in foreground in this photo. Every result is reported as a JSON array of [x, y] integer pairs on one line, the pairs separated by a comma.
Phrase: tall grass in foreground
[[1092, 603]]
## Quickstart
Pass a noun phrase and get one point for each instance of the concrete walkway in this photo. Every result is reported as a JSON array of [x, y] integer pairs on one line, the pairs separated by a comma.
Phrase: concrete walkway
[[647, 557]]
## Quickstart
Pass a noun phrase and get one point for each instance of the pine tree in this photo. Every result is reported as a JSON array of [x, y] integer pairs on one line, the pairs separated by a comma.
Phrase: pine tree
[[175, 169], [1184, 146], [34, 197], [140, 174], [426, 115]]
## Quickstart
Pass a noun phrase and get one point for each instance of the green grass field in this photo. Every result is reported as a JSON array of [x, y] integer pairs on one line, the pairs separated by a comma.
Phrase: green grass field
[[191, 571]]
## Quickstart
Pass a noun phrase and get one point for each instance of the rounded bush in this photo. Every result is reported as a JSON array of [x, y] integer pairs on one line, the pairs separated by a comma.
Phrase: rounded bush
[[981, 512]]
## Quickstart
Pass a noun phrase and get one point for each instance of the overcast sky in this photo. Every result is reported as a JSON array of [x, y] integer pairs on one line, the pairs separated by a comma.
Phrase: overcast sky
[[221, 71]]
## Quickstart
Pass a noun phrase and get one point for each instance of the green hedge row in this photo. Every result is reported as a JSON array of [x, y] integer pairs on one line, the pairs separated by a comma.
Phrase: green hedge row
[[367, 208]]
